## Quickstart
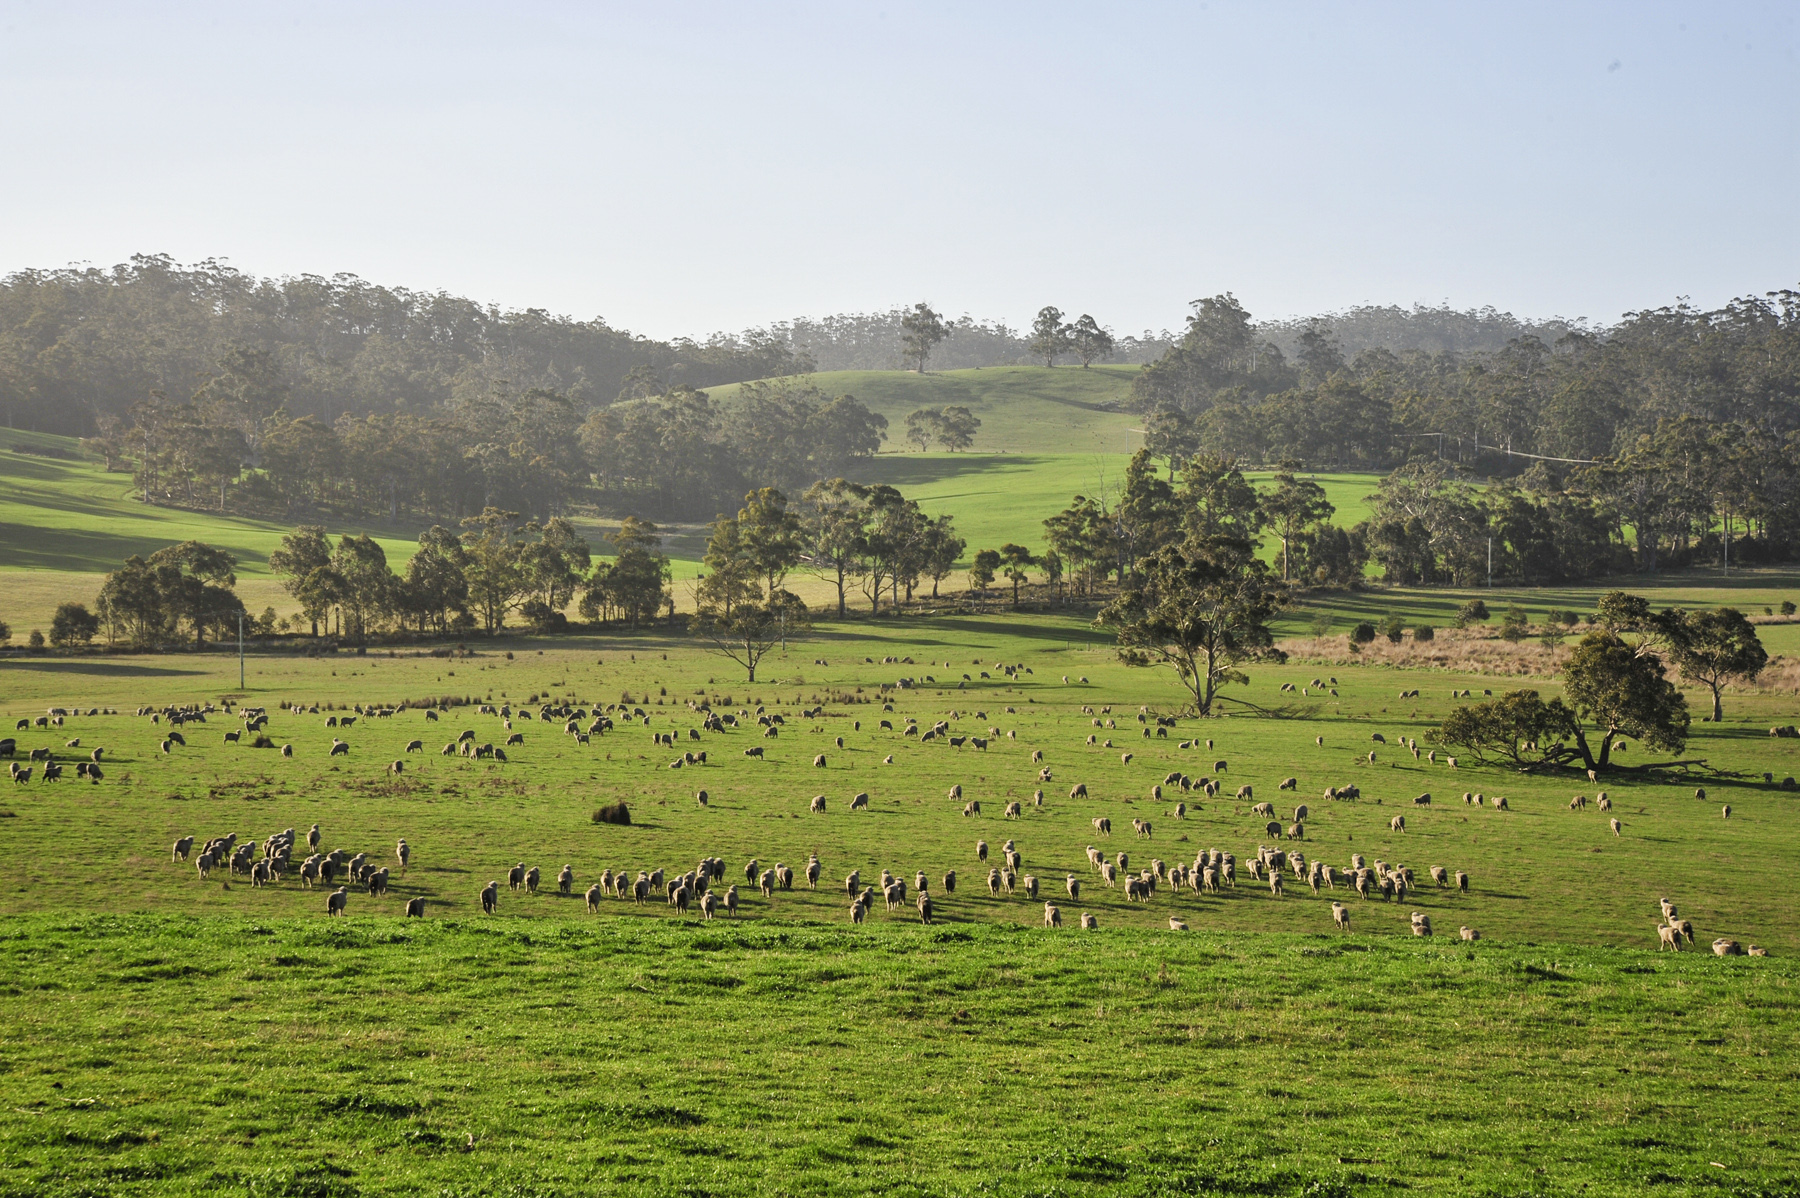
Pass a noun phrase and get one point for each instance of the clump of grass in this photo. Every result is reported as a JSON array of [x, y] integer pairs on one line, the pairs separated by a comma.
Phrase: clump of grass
[[613, 813], [262, 741]]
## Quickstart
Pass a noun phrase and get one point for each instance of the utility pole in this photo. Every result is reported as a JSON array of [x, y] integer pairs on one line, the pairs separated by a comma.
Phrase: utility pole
[[240, 651], [1490, 561]]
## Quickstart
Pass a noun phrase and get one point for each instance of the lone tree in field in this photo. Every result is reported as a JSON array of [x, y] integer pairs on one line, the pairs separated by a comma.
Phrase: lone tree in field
[[1618, 689], [1049, 336], [923, 426], [1714, 647], [751, 630], [956, 427], [920, 331], [1202, 608], [1089, 342]]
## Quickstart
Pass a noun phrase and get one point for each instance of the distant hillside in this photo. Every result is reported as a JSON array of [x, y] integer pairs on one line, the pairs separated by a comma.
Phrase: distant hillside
[[1023, 409]]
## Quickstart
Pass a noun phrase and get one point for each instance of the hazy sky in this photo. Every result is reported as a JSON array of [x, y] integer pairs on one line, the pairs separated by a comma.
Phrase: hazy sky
[[680, 168]]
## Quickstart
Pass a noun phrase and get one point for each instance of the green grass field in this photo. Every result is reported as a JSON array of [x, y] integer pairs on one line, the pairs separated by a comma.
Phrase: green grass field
[[170, 1035], [1023, 409]]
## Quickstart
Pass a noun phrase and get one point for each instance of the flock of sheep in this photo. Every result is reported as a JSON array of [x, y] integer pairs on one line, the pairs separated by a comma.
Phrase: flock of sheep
[[1212, 872]]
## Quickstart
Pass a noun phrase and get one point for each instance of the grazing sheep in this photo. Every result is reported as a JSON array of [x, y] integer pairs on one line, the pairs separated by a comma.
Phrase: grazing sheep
[[1288, 784], [1421, 924], [981, 850], [819, 761], [1616, 825], [812, 874], [818, 803], [515, 877], [972, 807], [1013, 810], [1500, 803], [1261, 808], [403, 852], [338, 901], [1177, 924], [1440, 875], [415, 908], [1296, 831], [1272, 829], [1397, 824], [757, 753], [956, 791], [1078, 791], [1103, 825], [1700, 792], [860, 801], [415, 746], [925, 907]]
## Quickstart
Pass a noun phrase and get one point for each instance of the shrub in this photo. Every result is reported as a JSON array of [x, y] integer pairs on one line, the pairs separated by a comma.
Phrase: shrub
[[613, 813], [1472, 612], [1393, 628], [1787, 607], [36, 640], [1321, 623], [1362, 634], [1424, 632], [1517, 624], [262, 741]]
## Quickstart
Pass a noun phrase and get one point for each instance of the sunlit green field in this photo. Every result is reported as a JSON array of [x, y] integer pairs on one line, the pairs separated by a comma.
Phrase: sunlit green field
[[173, 1035]]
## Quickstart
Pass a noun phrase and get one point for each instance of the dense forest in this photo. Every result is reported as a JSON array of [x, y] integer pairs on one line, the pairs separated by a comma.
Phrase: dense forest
[[80, 346], [1647, 443]]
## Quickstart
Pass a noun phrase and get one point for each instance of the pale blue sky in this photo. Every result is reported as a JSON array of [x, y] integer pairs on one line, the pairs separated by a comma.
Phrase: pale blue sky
[[679, 168]]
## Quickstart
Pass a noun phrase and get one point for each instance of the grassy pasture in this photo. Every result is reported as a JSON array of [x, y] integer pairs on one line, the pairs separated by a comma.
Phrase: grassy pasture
[[174, 1036], [1023, 409]]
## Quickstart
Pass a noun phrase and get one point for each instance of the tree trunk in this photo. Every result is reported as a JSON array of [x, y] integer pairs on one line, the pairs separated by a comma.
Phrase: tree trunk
[[1718, 707]]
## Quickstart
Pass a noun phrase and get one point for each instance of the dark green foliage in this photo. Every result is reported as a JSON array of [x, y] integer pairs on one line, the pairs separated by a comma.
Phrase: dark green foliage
[[1363, 633], [1619, 689], [1519, 726], [1516, 625], [73, 625], [1203, 608], [613, 813]]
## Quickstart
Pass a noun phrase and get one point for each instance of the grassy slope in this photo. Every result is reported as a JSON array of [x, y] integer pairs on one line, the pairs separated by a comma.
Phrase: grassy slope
[[73, 516], [207, 1039], [1023, 409]]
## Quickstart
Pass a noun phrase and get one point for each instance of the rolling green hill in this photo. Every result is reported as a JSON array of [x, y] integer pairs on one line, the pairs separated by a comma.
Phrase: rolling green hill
[[1023, 409]]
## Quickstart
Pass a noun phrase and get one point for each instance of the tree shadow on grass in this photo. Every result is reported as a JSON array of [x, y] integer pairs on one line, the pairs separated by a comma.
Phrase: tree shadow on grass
[[97, 669]]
